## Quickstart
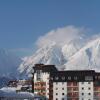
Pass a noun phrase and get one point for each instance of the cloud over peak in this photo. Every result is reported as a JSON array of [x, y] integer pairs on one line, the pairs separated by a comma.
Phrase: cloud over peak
[[62, 35]]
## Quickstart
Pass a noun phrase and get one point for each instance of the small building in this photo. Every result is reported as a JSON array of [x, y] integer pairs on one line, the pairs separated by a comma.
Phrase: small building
[[12, 83]]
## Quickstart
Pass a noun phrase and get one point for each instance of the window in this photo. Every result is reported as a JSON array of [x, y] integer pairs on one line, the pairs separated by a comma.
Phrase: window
[[56, 88], [62, 88], [89, 82], [82, 93], [63, 78], [56, 93], [62, 98], [89, 88], [69, 78], [75, 78], [89, 93], [39, 75], [56, 98], [82, 88], [56, 78], [75, 83], [75, 89], [89, 78], [62, 93]]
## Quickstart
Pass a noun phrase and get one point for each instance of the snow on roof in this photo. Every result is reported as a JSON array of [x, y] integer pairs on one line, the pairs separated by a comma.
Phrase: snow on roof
[[11, 93]]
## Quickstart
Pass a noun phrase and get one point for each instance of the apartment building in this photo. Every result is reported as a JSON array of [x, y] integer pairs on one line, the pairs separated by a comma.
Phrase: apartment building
[[65, 85]]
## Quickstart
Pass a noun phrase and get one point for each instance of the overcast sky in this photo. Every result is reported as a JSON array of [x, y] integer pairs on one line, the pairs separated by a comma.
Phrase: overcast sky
[[24, 22]]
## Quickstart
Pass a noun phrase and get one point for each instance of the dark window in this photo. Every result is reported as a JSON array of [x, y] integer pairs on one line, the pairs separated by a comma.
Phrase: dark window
[[56, 98], [56, 78], [75, 78], [89, 93], [39, 75], [69, 77], [63, 78], [56, 93], [62, 93], [56, 88], [89, 78], [62, 88], [89, 88], [82, 93], [82, 88]]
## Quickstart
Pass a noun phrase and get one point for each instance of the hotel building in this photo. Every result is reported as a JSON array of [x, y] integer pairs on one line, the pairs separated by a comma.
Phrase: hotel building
[[65, 85]]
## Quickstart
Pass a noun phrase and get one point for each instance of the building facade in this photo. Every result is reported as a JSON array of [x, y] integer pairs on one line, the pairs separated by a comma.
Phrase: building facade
[[65, 85]]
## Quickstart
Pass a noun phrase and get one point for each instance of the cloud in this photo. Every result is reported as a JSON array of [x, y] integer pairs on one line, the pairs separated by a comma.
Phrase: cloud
[[62, 35]]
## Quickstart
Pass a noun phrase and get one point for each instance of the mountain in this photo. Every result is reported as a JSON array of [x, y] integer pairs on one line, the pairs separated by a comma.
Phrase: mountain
[[49, 54], [71, 56], [87, 57], [71, 48], [8, 63]]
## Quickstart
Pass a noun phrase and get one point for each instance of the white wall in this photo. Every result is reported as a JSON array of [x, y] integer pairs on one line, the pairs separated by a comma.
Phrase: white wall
[[57, 88], [85, 91], [45, 78]]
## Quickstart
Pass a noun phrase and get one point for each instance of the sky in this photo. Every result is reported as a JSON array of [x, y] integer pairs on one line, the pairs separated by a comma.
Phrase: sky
[[24, 22]]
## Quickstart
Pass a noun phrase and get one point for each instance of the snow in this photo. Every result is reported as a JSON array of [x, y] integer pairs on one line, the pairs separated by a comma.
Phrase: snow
[[49, 54], [74, 55], [86, 58], [9, 92]]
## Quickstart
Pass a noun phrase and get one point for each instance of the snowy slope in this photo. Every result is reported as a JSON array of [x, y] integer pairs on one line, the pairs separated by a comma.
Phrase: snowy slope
[[49, 54], [86, 58], [73, 55], [71, 48]]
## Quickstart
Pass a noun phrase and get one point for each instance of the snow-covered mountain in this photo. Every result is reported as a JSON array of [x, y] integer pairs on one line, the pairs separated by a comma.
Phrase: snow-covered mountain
[[71, 48], [8, 63], [86, 58], [49, 54], [73, 55]]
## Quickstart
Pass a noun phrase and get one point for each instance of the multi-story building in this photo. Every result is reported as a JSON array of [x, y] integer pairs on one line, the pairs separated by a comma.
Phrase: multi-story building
[[65, 85]]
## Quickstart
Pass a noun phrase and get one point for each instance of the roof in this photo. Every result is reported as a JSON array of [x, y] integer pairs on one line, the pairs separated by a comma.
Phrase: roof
[[45, 68], [72, 75]]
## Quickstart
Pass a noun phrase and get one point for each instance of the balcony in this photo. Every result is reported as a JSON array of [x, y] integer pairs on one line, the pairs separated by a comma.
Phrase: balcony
[[40, 83]]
